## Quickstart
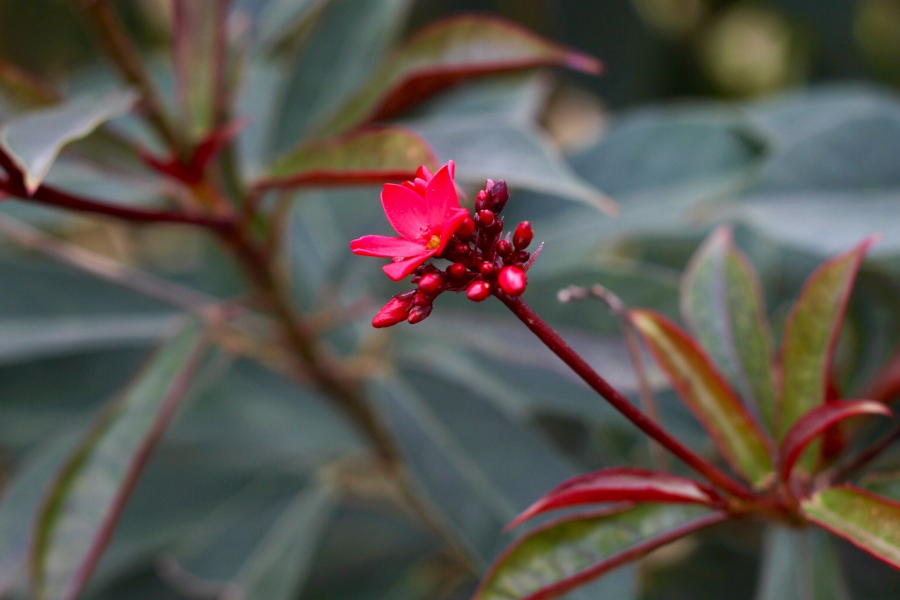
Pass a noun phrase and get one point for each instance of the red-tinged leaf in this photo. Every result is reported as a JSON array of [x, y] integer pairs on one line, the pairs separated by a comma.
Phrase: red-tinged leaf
[[445, 53], [723, 304], [870, 522], [200, 50], [365, 157], [82, 507], [733, 430], [564, 554], [810, 336], [620, 485], [817, 421]]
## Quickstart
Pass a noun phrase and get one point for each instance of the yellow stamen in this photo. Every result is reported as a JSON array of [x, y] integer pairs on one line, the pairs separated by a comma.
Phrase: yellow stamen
[[434, 242]]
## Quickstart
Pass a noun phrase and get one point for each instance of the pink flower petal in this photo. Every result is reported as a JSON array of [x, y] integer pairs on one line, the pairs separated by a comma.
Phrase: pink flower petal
[[379, 245], [440, 198], [405, 211], [450, 226], [399, 270]]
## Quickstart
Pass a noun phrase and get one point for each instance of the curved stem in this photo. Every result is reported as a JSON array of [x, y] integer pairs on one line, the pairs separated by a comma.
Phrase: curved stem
[[618, 401]]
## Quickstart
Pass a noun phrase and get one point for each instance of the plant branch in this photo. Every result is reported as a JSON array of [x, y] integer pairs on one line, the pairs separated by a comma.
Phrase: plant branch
[[618, 401], [125, 56], [52, 197]]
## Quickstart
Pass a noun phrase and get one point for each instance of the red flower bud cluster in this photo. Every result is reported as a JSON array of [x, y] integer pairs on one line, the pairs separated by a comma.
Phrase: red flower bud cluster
[[484, 262]]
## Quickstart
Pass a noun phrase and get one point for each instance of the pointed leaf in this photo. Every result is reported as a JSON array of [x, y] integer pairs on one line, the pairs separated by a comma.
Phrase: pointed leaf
[[33, 140], [569, 552], [800, 564], [870, 522], [19, 505], [815, 422], [621, 484], [82, 508], [722, 302], [810, 337], [445, 53], [200, 52], [700, 386], [372, 156]]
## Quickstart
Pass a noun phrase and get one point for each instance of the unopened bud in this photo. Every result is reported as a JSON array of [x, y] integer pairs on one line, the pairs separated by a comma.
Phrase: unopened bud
[[504, 248], [466, 229], [419, 314], [523, 235], [480, 200], [457, 270], [431, 283], [486, 268], [512, 280], [478, 291], [488, 185], [394, 311], [486, 217], [499, 196]]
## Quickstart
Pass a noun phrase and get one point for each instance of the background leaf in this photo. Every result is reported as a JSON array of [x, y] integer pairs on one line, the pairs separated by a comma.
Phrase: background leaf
[[33, 140], [445, 53], [801, 564], [722, 300], [78, 515], [374, 156]]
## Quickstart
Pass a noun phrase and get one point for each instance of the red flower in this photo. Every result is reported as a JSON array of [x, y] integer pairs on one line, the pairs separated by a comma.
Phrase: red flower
[[425, 212]]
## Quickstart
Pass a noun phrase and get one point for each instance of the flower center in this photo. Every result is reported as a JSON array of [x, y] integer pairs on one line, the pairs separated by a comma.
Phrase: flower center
[[434, 242]]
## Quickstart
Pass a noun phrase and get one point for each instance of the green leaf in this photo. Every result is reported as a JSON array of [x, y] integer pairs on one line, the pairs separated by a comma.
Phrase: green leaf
[[566, 553], [365, 157], [342, 50], [20, 502], [722, 301], [78, 515], [529, 160], [200, 52], [282, 561], [809, 340], [33, 140], [870, 522], [732, 429], [478, 473], [285, 24], [444, 53], [800, 565]]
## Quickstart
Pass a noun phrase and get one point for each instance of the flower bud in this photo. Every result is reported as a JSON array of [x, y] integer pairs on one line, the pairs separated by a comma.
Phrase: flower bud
[[466, 229], [522, 256], [480, 200], [512, 280], [486, 218], [523, 235], [457, 270], [422, 299], [486, 268], [394, 311], [499, 196], [419, 314], [504, 248], [431, 283], [478, 291], [488, 185]]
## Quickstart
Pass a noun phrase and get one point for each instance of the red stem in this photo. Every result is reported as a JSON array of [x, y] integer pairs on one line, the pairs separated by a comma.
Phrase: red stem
[[618, 401], [53, 197]]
